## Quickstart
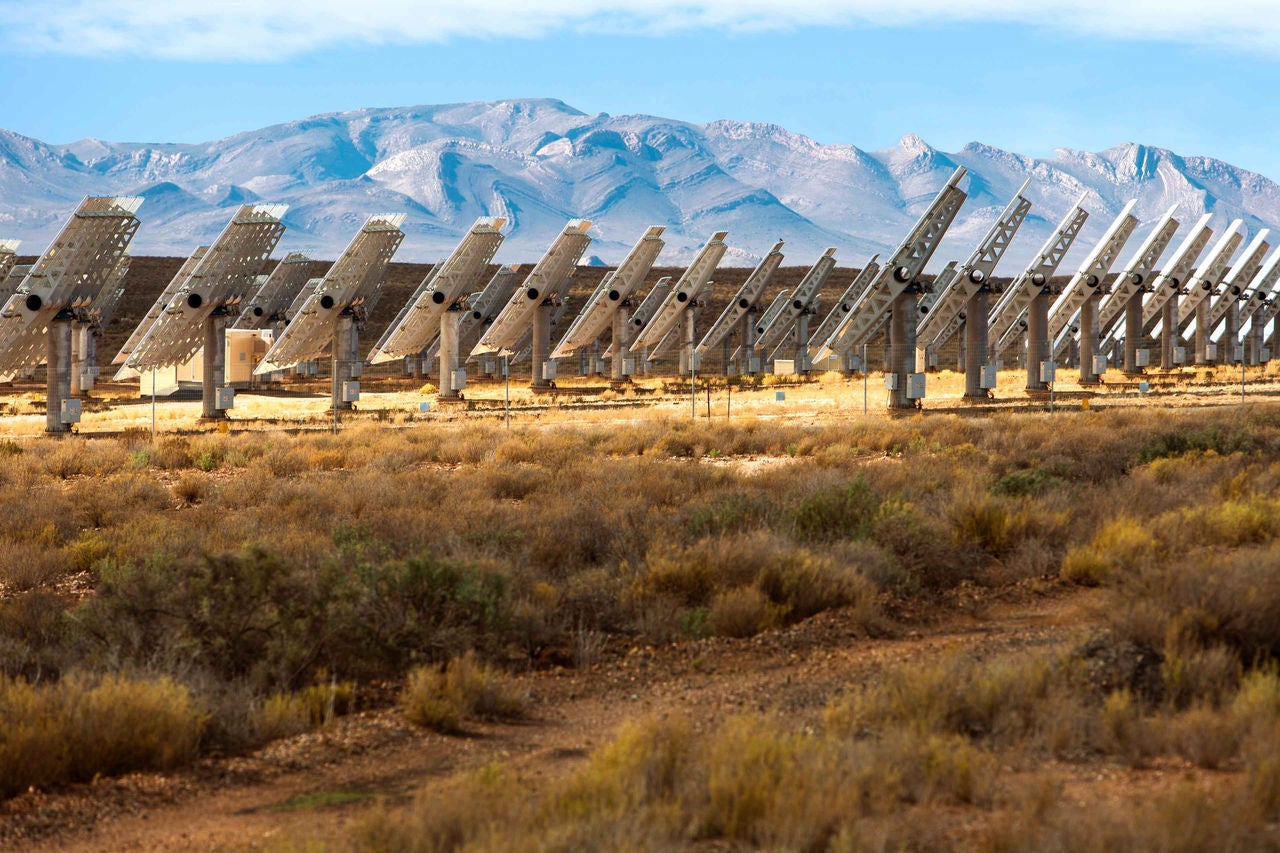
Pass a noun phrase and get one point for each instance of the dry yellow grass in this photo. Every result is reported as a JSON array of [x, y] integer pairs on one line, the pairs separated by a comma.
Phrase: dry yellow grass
[[590, 400]]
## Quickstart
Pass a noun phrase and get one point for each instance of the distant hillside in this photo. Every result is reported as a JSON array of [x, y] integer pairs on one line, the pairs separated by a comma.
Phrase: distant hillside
[[541, 162]]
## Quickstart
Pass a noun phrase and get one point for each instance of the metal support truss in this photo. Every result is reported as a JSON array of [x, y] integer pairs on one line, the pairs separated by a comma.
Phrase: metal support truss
[[1005, 316], [63, 284], [1129, 289], [1202, 285], [268, 303], [1261, 288], [640, 318], [1175, 274], [974, 274], [540, 292], [597, 315], [1227, 305], [459, 274], [741, 307], [777, 324], [844, 305], [683, 294], [908, 262], [1088, 280]]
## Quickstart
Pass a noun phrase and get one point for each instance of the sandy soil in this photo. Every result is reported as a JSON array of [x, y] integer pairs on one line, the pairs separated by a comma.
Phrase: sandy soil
[[397, 401]]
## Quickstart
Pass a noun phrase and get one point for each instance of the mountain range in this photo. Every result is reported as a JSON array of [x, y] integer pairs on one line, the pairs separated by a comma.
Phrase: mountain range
[[540, 162]]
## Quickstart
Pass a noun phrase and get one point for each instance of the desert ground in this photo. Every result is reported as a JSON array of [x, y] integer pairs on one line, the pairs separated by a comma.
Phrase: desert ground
[[788, 626], [746, 615]]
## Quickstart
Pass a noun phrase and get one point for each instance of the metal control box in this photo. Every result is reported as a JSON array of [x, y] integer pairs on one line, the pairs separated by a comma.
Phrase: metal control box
[[350, 391], [915, 386], [224, 398], [628, 367], [70, 412], [1179, 355], [549, 370], [990, 377], [1099, 364], [1142, 358], [784, 366], [1047, 371], [459, 379], [1210, 351], [891, 382]]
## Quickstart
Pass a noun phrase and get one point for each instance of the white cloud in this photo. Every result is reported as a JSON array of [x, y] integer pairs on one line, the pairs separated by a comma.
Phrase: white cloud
[[267, 30]]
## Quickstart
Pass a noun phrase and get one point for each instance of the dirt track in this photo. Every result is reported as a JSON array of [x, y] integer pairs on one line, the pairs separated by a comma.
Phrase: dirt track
[[316, 783]]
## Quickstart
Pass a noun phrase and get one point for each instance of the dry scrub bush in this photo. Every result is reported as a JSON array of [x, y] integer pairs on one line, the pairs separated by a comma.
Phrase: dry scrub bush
[[285, 714], [171, 453], [1122, 547], [379, 550], [843, 510], [80, 727], [1013, 699], [1185, 820], [1250, 520], [749, 784], [742, 612], [105, 502], [752, 783], [26, 566], [464, 689], [1193, 675], [192, 489], [927, 557], [1204, 599], [34, 635], [692, 575], [751, 582]]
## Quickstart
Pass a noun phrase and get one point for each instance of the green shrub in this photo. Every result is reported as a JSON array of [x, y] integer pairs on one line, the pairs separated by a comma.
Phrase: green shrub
[[843, 511], [927, 555], [1026, 483], [1190, 439]]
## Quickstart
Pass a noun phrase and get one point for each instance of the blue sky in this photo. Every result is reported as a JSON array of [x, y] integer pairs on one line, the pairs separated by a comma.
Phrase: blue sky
[[1197, 78]]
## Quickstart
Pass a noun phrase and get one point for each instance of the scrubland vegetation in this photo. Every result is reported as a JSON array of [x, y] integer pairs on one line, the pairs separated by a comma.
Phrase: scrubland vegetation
[[209, 593]]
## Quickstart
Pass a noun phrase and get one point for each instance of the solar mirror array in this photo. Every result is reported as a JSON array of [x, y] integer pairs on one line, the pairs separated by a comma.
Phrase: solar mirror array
[[335, 308], [56, 295], [1208, 297], [193, 312]]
